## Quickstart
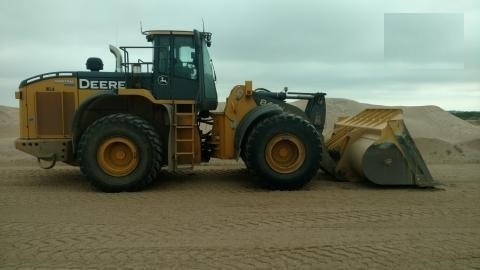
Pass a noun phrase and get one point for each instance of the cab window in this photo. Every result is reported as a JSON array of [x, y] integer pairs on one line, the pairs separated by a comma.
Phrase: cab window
[[185, 58], [162, 55]]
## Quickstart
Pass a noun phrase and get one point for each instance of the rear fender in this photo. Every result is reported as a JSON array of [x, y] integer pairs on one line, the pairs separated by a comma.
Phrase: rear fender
[[77, 127]]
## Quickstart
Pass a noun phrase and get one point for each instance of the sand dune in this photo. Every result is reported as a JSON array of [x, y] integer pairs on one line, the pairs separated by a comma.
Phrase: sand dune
[[9, 130], [475, 122], [8, 122], [435, 123]]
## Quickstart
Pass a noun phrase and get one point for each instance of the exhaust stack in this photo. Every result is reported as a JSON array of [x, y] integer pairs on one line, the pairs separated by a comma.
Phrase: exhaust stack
[[118, 57]]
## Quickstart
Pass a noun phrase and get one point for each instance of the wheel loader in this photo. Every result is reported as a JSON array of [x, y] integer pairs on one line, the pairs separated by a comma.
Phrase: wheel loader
[[122, 127]]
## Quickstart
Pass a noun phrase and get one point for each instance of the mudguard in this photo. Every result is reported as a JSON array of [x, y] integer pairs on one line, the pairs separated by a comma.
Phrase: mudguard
[[77, 119], [250, 118]]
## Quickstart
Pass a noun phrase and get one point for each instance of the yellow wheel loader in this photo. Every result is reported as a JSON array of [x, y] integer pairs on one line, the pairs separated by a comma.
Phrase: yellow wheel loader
[[123, 127]]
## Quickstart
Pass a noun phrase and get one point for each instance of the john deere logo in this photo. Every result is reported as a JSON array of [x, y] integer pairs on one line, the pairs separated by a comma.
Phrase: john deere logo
[[162, 80], [104, 85]]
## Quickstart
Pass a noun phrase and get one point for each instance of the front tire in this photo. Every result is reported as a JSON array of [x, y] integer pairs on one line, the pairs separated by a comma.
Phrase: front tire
[[284, 150], [120, 152]]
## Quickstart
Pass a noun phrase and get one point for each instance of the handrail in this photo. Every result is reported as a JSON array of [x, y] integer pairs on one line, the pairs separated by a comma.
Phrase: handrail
[[49, 75]]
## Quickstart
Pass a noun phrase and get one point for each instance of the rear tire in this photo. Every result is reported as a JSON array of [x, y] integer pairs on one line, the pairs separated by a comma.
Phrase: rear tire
[[120, 152], [284, 150]]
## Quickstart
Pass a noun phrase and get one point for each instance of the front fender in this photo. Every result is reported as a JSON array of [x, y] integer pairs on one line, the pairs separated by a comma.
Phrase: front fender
[[251, 118]]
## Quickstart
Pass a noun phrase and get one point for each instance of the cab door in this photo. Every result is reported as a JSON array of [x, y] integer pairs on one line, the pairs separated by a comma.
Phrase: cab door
[[176, 68], [162, 58], [185, 68]]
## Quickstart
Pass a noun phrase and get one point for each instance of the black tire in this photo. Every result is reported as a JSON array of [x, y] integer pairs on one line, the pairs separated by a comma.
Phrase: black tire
[[284, 150], [120, 152], [246, 161]]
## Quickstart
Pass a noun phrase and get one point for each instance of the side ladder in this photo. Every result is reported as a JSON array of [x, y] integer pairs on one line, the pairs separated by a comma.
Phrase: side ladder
[[184, 132]]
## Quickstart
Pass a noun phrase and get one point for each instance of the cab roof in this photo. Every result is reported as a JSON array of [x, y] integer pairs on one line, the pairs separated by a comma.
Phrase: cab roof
[[151, 33]]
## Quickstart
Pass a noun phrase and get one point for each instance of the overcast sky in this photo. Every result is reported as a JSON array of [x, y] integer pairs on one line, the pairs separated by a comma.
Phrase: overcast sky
[[405, 52]]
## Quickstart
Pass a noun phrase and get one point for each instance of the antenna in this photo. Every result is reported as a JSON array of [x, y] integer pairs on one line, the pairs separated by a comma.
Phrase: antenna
[[207, 36], [141, 28]]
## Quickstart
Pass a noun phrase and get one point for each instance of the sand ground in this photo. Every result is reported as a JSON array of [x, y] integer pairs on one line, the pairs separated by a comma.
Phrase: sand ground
[[215, 217]]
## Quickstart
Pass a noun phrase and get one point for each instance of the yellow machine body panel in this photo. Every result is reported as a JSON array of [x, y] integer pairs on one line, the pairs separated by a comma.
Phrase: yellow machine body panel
[[237, 105], [47, 108]]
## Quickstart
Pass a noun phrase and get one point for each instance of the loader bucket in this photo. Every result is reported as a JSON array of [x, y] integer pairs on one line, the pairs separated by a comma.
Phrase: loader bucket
[[376, 145]]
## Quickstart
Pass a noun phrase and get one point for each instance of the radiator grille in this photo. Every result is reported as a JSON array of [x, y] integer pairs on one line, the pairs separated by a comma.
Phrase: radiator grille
[[54, 113]]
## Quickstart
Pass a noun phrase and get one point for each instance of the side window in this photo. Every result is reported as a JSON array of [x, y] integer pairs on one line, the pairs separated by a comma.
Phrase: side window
[[162, 55], [185, 58], [163, 60]]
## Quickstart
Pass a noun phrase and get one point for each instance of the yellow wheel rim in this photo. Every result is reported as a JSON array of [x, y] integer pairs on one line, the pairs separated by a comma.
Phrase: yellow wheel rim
[[285, 153], [117, 156]]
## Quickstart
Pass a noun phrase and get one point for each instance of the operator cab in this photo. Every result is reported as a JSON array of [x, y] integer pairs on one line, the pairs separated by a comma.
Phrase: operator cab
[[180, 69]]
